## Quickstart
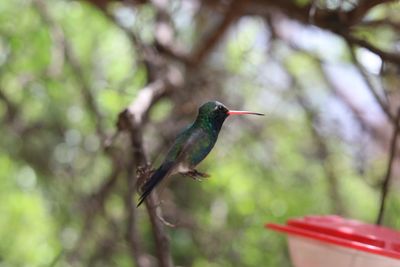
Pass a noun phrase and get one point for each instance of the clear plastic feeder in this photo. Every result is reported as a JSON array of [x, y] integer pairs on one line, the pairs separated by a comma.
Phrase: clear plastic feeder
[[333, 241]]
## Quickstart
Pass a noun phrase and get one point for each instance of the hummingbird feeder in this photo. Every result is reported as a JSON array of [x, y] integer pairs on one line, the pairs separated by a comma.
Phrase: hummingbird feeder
[[333, 241]]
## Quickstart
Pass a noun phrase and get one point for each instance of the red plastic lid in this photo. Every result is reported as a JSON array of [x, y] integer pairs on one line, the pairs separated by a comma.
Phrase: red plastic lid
[[344, 232]]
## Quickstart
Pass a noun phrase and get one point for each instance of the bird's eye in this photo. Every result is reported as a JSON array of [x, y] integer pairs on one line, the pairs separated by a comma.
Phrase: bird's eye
[[220, 108]]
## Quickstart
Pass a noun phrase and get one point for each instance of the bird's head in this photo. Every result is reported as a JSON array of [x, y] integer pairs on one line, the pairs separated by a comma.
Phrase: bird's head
[[217, 112]]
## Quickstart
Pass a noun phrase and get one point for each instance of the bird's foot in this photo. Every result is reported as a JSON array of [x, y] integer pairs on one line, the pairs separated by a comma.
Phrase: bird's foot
[[195, 175]]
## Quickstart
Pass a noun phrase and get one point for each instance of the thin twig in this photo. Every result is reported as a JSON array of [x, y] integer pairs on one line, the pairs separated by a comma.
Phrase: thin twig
[[386, 181], [233, 12], [161, 238], [162, 78], [165, 32], [311, 115], [384, 106], [322, 148], [132, 233], [93, 206], [77, 68], [380, 23], [384, 55], [132, 120], [11, 108]]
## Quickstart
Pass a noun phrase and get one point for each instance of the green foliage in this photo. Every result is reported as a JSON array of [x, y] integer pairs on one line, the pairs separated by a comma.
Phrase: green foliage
[[27, 228], [262, 170]]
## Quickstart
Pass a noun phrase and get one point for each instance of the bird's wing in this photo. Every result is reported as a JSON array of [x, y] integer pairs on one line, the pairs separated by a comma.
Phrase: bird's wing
[[173, 158], [195, 148], [189, 149]]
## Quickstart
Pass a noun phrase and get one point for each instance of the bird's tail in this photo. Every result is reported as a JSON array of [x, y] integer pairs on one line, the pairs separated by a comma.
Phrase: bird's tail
[[157, 176]]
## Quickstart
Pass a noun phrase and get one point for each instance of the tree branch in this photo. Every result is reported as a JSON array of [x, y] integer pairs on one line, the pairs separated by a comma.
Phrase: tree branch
[[381, 22], [132, 119], [386, 181], [384, 106], [337, 21], [132, 233], [71, 58], [362, 8], [232, 13], [92, 206], [11, 108], [322, 148], [162, 79], [97, 200], [322, 17], [386, 56]]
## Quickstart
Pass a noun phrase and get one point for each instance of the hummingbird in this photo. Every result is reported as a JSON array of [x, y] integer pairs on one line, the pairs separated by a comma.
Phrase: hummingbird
[[192, 145]]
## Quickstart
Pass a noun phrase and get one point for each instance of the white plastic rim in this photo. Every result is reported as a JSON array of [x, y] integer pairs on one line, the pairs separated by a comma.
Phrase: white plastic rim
[[306, 252]]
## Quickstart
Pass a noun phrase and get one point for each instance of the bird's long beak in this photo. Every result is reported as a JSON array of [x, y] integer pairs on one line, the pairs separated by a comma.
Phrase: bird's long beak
[[242, 112]]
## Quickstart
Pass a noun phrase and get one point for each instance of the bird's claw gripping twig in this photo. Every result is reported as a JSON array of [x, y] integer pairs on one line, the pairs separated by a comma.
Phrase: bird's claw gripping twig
[[195, 175]]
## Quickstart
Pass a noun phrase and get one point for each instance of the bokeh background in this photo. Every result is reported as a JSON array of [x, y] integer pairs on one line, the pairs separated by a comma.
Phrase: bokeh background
[[325, 73]]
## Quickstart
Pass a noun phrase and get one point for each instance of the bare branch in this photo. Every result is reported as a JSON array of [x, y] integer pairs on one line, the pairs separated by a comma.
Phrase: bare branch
[[322, 147], [328, 19], [362, 8], [311, 115], [387, 56], [162, 79], [233, 12], [92, 206], [381, 22], [97, 200], [386, 181], [132, 233], [161, 239], [165, 40], [133, 119], [384, 106], [72, 59], [11, 108]]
